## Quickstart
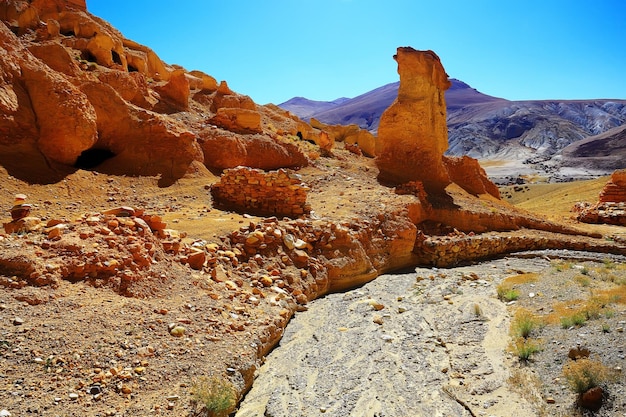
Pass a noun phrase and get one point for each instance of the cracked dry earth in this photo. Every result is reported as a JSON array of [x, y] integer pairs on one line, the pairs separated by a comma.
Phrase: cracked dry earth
[[436, 342]]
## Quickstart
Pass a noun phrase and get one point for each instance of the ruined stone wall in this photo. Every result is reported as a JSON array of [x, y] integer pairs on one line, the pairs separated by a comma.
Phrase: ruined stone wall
[[274, 193], [447, 251]]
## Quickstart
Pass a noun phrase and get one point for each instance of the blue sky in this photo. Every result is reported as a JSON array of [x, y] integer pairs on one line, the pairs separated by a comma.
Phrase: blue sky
[[273, 50]]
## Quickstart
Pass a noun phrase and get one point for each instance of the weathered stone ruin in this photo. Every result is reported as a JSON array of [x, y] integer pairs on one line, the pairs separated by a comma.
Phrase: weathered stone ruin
[[274, 193]]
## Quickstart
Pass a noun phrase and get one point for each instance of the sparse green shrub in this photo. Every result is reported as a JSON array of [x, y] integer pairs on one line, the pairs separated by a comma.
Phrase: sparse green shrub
[[606, 328], [523, 324], [506, 293], [584, 374], [577, 319], [524, 348], [478, 312], [216, 397], [584, 271]]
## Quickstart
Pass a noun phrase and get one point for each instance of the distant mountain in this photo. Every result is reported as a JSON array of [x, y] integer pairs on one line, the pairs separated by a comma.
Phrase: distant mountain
[[305, 108], [606, 151], [365, 110], [487, 127]]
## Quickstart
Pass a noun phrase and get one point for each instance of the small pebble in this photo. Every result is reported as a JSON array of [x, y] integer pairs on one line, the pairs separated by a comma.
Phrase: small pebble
[[73, 396], [18, 321], [178, 331]]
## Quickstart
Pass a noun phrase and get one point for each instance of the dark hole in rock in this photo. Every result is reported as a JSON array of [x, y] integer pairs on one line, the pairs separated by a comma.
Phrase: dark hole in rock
[[91, 158], [88, 56], [116, 57], [132, 69]]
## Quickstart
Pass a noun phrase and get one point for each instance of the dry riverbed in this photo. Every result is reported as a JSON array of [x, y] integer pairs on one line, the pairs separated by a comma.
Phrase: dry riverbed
[[437, 342]]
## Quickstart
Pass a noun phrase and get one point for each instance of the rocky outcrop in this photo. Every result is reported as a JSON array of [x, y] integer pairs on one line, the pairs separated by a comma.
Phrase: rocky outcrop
[[469, 175], [349, 135], [224, 149], [611, 205], [615, 190], [412, 136], [75, 92], [39, 108], [176, 91]]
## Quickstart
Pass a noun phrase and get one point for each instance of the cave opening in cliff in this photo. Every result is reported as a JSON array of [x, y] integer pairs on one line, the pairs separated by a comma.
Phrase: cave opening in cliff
[[92, 158], [116, 57], [132, 69], [88, 56]]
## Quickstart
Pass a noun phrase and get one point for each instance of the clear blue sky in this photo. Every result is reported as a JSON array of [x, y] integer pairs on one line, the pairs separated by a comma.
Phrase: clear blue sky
[[273, 50]]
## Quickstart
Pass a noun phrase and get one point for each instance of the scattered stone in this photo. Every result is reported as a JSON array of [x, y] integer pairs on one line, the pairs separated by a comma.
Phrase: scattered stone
[[376, 305], [378, 319], [578, 352], [73, 396], [550, 400], [94, 390], [18, 321], [592, 399], [177, 330]]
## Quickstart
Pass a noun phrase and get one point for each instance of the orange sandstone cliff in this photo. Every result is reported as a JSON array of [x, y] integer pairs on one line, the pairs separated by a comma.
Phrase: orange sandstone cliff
[[76, 94]]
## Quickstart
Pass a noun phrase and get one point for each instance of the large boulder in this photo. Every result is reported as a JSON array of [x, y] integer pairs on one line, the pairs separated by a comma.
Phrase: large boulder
[[469, 175], [176, 91], [412, 135], [223, 149]]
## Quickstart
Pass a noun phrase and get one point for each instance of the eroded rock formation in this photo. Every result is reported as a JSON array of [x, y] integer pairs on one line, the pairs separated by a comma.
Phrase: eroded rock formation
[[615, 190], [350, 135], [412, 136], [469, 175], [75, 92], [611, 205]]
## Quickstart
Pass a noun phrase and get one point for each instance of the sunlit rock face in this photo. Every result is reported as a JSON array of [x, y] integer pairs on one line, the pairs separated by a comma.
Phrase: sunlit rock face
[[615, 190], [412, 136]]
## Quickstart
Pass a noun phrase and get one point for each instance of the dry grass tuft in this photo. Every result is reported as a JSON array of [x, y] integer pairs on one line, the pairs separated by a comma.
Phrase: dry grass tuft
[[584, 374], [215, 397]]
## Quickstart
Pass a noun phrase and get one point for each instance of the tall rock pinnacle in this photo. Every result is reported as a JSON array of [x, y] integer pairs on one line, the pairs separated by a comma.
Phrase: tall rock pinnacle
[[412, 136]]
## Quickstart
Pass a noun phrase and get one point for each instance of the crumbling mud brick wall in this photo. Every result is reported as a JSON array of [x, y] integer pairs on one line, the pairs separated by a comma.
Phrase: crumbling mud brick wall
[[274, 193]]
